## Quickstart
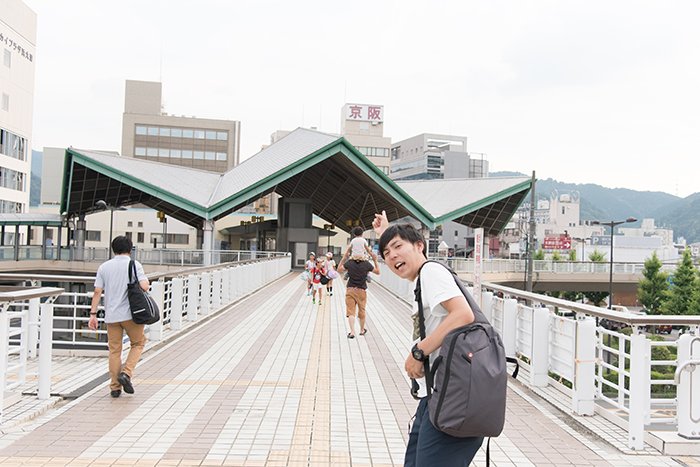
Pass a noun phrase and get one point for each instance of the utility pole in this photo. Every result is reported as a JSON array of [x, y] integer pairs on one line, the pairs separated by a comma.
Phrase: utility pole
[[531, 237]]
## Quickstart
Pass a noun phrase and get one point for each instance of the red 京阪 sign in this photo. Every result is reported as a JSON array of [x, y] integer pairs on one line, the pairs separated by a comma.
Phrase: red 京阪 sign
[[561, 242]]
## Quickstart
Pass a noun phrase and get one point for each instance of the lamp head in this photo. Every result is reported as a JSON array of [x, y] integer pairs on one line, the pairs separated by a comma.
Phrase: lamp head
[[595, 222], [631, 219], [101, 204]]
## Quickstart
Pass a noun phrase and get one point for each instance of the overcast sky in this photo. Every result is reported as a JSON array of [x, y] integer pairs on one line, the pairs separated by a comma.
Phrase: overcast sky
[[603, 92]]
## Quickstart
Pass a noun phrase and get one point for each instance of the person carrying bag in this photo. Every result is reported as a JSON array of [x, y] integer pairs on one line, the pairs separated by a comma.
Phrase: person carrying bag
[[144, 309]]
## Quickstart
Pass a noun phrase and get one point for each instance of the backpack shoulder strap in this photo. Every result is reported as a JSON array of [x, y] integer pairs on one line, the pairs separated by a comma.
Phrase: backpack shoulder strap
[[479, 316]]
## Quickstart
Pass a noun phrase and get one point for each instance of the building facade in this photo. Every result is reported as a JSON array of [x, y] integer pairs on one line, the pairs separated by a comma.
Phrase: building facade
[[18, 52], [363, 126], [431, 156], [150, 133]]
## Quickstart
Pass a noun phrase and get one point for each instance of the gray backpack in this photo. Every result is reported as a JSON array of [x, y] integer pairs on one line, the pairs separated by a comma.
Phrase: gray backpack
[[467, 382]]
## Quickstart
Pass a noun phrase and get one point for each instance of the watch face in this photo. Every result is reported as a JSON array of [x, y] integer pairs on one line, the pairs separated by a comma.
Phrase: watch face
[[418, 354]]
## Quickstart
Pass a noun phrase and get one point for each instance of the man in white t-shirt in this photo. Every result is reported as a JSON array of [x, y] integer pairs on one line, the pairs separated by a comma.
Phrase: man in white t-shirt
[[112, 278], [445, 308]]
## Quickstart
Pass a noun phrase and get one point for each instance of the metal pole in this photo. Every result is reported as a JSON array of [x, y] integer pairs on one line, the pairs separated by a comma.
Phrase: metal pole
[[531, 239], [111, 224], [610, 295]]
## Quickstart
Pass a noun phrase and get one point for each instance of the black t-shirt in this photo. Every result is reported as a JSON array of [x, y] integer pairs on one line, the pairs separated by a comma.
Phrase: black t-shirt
[[357, 272]]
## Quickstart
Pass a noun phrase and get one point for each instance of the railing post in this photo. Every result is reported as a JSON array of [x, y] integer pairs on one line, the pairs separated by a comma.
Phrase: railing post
[[205, 300], [45, 350], [539, 373], [176, 290], [584, 367], [510, 323], [216, 289], [4, 347], [226, 286], [640, 386], [687, 378], [487, 305], [33, 337], [155, 330], [193, 297]]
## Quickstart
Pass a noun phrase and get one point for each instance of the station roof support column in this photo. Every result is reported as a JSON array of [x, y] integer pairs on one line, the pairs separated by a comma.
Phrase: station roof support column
[[207, 240]]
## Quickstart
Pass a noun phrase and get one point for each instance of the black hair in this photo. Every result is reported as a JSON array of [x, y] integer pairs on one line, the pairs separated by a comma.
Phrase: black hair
[[121, 245], [405, 232], [357, 231]]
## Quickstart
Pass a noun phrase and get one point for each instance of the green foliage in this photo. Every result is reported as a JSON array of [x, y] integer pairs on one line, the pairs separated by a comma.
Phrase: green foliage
[[683, 296], [572, 296], [572, 255], [597, 256], [556, 256], [653, 289], [539, 255]]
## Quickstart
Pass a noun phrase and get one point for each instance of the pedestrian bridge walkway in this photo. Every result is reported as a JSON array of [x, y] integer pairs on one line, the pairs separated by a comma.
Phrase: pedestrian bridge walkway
[[272, 380]]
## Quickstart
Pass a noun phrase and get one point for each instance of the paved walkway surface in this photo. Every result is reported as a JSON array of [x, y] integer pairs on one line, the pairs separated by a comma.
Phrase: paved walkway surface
[[274, 381]]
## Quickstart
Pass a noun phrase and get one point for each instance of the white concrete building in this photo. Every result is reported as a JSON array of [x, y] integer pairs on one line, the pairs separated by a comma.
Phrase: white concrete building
[[363, 126], [17, 67], [648, 228]]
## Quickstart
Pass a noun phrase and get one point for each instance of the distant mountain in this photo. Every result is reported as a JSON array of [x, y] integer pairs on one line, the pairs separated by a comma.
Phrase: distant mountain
[[601, 203]]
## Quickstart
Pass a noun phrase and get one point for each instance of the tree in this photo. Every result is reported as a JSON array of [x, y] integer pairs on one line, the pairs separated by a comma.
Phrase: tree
[[653, 287], [572, 255], [596, 298], [539, 255], [684, 290], [556, 256]]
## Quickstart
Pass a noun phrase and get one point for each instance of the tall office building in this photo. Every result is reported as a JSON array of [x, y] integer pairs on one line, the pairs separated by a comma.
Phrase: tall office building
[[430, 156], [363, 126], [150, 133], [18, 51]]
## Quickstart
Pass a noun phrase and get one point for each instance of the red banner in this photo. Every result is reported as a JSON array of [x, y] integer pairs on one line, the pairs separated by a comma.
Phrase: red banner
[[561, 242]]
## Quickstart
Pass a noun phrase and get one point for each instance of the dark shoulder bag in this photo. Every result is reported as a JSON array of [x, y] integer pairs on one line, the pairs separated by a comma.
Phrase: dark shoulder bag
[[143, 308]]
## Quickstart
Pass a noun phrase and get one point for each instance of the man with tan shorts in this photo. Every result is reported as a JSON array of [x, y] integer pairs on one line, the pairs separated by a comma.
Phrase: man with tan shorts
[[356, 290]]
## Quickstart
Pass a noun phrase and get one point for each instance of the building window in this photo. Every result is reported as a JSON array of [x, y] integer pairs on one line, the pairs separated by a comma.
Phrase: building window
[[153, 152], [175, 153], [93, 235], [128, 235], [163, 152], [139, 236], [199, 155], [138, 151], [164, 132], [176, 132], [7, 59], [140, 224], [186, 154], [210, 134], [198, 134], [172, 239], [209, 155], [130, 224], [563, 210], [5, 102], [152, 131], [187, 133], [456, 233], [141, 130], [222, 135], [220, 156]]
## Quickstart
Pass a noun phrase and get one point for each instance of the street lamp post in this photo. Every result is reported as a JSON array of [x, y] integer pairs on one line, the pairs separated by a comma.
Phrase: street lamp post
[[102, 204], [612, 225]]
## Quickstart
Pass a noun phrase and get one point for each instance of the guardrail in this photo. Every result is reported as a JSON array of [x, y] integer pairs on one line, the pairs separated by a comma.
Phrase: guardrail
[[184, 295], [515, 266], [144, 255], [561, 344], [19, 322]]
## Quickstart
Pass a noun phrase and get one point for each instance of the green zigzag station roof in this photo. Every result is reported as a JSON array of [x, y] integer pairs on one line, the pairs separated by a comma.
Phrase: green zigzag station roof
[[341, 183]]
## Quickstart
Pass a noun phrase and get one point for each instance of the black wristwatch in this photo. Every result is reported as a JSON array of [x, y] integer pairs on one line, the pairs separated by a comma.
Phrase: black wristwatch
[[417, 353]]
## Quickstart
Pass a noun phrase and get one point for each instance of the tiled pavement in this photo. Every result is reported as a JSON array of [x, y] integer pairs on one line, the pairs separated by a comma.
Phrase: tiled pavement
[[274, 381]]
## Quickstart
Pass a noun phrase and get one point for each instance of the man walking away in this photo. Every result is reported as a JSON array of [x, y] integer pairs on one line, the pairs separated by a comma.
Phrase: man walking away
[[356, 290], [112, 279]]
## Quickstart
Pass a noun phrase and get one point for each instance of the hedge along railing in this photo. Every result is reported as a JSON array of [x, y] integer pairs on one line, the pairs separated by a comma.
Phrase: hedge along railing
[[561, 344]]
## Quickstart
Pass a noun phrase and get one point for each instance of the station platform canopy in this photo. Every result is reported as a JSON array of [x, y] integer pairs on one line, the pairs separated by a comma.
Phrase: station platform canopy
[[30, 218], [344, 187]]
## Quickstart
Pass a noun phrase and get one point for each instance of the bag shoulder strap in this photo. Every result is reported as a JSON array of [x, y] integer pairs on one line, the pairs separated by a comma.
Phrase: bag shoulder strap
[[479, 316], [132, 267]]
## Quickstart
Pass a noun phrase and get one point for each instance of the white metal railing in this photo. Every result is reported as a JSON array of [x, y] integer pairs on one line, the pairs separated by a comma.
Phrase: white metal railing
[[491, 266], [169, 256], [18, 322], [561, 344], [185, 295]]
